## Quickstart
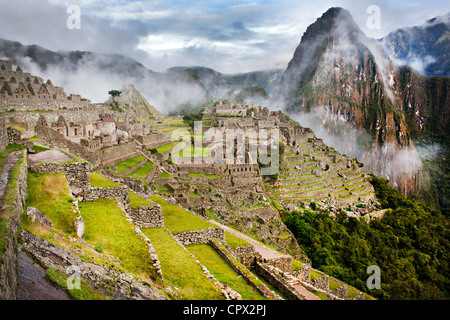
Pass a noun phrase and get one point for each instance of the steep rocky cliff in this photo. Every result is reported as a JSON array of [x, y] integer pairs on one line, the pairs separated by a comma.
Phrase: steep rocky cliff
[[348, 87]]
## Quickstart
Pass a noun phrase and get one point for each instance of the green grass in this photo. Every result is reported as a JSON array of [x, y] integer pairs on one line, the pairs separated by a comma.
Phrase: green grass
[[193, 194], [297, 266], [321, 295], [108, 229], [234, 241], [162, 189], [207, 175], [167, 147], [180, 269], [127, 164], [136, 201], [4, 154], [142, 171], [165, 175], [49, 193], [176, 219], [194, 151], [3, 241], [334, 284], [38, 148], [9, 196], [223, 272], [85, 292], [169, 129], [101, 181], [314, 274]]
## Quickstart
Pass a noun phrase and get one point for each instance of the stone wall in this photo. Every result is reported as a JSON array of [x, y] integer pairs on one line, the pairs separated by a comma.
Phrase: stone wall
[[9, 263], [246, 255], [148, 217], [200, 236], [133, 184], [270, 274], [284, 263], [113, 193], [54, 139], [3, 134], [77, 174], [131, 169], [115, 154], [244, 273]]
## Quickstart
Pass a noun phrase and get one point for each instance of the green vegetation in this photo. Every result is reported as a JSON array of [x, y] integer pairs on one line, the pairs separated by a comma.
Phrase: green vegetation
[[235, 242], [85, 292], [167, 147], [127, 164], [142, 171], [136, 201], [190, 118], [209, 176], [180, 269], [49, 193], [410, 245], [176, 219], [101, 181], [223, 272], [165, 175], [8, 202], [108, 229]]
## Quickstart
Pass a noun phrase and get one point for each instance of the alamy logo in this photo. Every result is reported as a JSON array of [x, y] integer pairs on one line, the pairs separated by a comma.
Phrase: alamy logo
[[230, 146], [374, 21], [74, 281], [374, 281], [74, 20]]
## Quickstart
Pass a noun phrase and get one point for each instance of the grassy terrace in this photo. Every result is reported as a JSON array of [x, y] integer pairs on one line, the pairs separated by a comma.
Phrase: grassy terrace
[[109, 231], [223, 272], [180, 269], [136, 201], [170, 122], [193, 152], [127, 164], [101, 181], [170, 129], [209, 176], [166, 148], [177, 219], [302, 191], [50, 194], [235, 242], [142, 171]]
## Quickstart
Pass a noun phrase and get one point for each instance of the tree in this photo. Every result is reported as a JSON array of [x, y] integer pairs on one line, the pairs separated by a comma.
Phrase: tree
[[114, 93]]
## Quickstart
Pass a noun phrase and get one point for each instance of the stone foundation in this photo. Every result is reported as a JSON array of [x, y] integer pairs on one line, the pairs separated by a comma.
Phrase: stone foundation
[[148, 217], [200, 236]]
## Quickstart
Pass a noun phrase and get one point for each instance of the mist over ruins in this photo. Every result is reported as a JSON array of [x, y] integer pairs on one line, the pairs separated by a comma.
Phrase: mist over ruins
[[264, 186]]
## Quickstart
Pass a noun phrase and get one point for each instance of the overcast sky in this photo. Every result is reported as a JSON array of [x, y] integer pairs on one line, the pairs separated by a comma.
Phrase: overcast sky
[[230, 36]]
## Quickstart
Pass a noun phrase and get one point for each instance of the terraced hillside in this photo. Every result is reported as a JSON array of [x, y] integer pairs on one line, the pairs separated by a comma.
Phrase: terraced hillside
[[312, 171]]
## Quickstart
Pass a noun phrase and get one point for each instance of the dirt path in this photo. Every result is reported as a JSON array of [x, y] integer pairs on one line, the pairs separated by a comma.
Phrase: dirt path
[[308, 295], [261, 249], [48, 156]]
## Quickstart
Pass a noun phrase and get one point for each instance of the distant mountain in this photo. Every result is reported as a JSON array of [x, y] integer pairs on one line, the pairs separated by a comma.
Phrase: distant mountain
[[94, 74], [218, 84], [425, 48], [346, 88]]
